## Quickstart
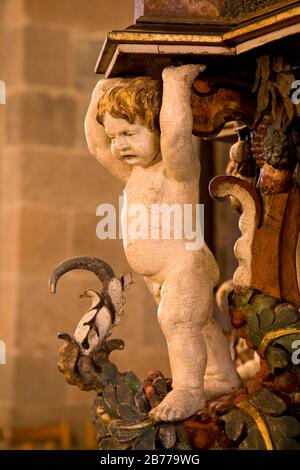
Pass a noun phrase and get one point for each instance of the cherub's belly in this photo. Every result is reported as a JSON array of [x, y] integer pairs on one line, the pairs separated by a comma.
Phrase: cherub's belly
[[157, 259], [151, 257], [154, 237]]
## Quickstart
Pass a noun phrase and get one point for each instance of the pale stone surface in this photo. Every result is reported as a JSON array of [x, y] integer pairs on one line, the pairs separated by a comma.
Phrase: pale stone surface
[[46, 383], [37, 185], [84, 240], [13, 70], [38, 229], [51, 313], [9, 239], [7, 376], [165, 169], [46, 55], [41, 118], [10, 176], [8, 323], [143, 356], [2, 10], [50, 188], [14, 12], [25, 177], [89, 186], [94, 15], [38, 55], [82, 104], [84, 57], [42, 412], [5, 415]]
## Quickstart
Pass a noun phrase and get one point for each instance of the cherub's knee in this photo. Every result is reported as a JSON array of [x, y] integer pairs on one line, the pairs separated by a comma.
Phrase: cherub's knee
[[167, 319], [173, 320]]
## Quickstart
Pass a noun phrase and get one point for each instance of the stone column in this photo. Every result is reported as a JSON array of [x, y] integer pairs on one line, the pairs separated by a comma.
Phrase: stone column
[[50, 188]]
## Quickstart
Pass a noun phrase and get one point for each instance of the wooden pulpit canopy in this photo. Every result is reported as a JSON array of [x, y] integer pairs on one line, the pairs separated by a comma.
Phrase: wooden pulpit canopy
[[166, 31]]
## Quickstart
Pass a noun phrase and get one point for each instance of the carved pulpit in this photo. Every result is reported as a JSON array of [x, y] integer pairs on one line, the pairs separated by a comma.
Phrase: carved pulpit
[[250, 79]]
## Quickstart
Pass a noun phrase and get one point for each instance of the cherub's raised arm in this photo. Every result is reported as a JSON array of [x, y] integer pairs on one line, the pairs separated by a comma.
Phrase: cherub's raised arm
[[176, 121], [97, 140]]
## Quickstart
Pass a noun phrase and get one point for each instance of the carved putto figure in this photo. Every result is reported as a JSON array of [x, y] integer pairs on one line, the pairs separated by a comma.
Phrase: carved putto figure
[[143, 136]]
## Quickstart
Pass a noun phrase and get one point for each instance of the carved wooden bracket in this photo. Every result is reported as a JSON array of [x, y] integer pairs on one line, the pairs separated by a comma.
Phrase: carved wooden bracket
[[216, 102], [267, 249]]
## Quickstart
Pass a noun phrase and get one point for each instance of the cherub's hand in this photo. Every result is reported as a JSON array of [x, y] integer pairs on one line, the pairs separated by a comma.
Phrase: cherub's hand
[[98, 142], [91, 124], [103, 86], [183, 73]]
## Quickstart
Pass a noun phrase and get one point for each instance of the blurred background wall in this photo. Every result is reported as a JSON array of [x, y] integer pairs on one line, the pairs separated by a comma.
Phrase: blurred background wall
[[50, 188]]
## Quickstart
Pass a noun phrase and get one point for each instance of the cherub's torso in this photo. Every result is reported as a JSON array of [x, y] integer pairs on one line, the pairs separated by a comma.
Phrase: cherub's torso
[[152, 186]]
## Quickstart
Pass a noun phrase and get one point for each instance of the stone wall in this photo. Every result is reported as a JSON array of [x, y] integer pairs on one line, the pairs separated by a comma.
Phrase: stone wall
[[50, 188]]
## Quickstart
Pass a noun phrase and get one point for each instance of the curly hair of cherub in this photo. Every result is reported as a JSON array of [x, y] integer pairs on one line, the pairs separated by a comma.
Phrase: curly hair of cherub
[[134, 99]]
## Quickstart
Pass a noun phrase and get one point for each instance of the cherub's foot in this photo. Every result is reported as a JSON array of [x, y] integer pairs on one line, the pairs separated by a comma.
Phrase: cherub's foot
[[215, 388], [179, 404]]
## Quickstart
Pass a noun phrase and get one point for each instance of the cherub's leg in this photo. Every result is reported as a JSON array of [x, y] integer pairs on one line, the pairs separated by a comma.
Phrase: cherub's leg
[[185, 302], [221, 377], [154, 289]]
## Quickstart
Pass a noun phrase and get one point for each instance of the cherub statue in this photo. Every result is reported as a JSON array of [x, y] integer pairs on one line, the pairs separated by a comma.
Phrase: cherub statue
[[142, 133]]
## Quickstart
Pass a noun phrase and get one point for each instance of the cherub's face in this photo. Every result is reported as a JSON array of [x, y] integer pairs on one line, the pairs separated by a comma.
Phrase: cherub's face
[[134, 143]]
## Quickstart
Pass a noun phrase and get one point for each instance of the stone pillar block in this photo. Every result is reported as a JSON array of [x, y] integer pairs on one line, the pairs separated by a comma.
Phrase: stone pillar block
[[156, 10], [41, 118]]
